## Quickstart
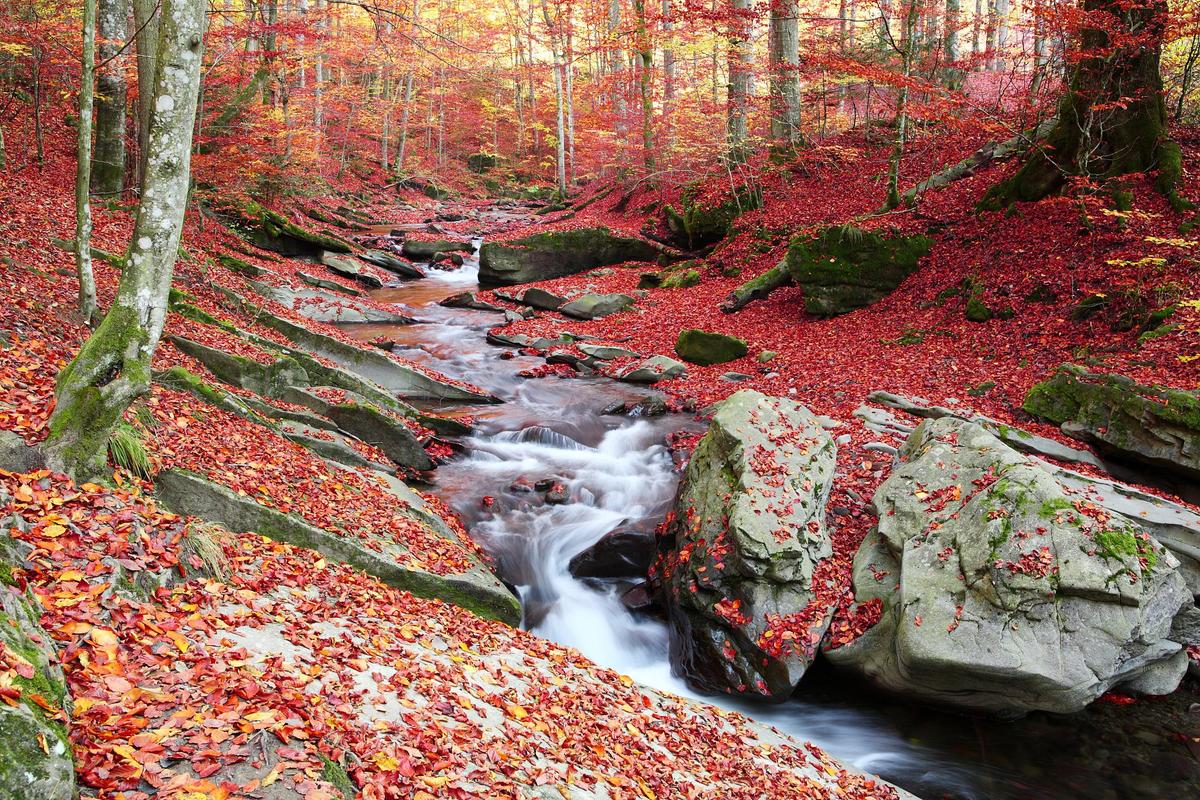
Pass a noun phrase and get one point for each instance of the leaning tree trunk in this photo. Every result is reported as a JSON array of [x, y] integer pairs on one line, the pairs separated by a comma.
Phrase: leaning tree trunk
[[1112, 119], [108, 162], [784, 54], [83, 167], [112, 368]]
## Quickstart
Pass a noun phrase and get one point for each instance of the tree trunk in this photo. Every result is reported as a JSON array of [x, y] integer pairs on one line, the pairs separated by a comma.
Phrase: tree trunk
[[952, 75], [145, 20], [112, 368], [1112, 119], [907, 49], [1001, 43], [645, 76], [83, 166], [738, 100], [667, 136], [108, 167], [784, 35]]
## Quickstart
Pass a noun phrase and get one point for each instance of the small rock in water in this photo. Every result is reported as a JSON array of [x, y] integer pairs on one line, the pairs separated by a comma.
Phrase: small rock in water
[[522, 485], [544, 485], [558, 494], [384, 344]]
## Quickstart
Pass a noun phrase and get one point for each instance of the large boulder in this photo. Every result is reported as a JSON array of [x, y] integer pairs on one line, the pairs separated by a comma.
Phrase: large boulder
[[35, 754], [743, 583], [555, 254], [425, 249], [705, 348], [1125, 420], [1000, 591], [702, 221], [842, 268]]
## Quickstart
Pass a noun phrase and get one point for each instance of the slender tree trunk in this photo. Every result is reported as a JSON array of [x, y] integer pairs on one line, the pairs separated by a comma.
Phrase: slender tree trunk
[[112, 368], [83, 165], [668, 106], [907, 49], [784, 52], [952, 75], [569, 76], [319, 75], [108, 168], [3, 151], [740, 62], [977, 31], [145, 20], [645, 77], [1002, 9]]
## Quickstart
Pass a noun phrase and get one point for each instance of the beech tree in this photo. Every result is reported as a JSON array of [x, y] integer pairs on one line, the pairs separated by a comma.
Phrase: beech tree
[[1112, 119], [108, 167], [83, 167], [785, 74], [112, 368]]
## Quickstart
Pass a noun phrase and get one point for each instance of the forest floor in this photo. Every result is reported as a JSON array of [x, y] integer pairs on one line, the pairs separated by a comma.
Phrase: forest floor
[[171, 678]]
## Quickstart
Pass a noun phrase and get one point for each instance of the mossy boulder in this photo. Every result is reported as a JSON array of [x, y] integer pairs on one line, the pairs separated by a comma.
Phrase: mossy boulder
[[555, 254], [480, 163], [1126, 420], [35, 753], [275, 232], [268, 380], [1002, 590], [705, 348], [699, 223], [747, 536], [843, 268]]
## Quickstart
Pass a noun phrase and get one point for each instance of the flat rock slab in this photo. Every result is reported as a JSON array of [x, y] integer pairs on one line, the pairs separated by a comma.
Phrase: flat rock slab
[[478, 590], [322, 306], [397, 266], [350, 267]]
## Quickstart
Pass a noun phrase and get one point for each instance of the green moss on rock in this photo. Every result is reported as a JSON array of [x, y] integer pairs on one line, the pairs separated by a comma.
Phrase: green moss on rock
[[844, 268], [705, 348]]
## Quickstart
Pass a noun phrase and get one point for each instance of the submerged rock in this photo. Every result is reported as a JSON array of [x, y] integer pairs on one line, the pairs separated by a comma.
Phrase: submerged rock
[[622, 553], [555, 254], [743, 583], [1000, 591]]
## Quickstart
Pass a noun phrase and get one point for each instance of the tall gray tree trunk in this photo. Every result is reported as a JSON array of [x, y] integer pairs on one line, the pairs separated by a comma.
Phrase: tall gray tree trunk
[[145, 22], [83, 166], [952, 75], [784, 51], [668, 106], [1002, 9], [108, 161], [645, 54], [112, 368], [738, 100], [907, 51]]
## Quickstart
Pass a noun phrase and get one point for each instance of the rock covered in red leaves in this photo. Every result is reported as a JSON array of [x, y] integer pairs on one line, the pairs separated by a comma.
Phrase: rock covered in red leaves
[[204, 664], [1005, 590], [748, 584]]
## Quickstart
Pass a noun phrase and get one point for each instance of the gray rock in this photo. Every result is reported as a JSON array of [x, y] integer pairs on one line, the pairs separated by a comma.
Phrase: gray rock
[[538, 298], [1001, 591], [555, 254], [350, 267], [652, 370], [606, 352], [1152, 425], [373, 426], [322, 306], [749, 532], [392, 264], [16, 456], [469, 300], [35, 753], [520, 340], [477, 590], [622, 553], [594, 306], [419, 250], [325, 283]]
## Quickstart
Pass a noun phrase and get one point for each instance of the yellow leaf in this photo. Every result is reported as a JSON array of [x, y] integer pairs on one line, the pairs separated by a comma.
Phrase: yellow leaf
[[179, 640], [271, 776], [385, 762], [103, 637], [71, 575], [516, 711], [436, 783]]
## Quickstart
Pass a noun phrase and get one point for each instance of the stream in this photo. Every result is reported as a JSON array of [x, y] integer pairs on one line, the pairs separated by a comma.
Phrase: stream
[[618, 472]]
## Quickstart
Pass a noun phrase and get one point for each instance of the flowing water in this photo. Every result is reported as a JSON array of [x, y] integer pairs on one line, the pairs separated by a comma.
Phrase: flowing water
[[618, 472]]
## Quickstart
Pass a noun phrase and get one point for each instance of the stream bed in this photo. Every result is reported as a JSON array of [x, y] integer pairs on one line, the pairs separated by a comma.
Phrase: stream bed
[[618, 472]]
